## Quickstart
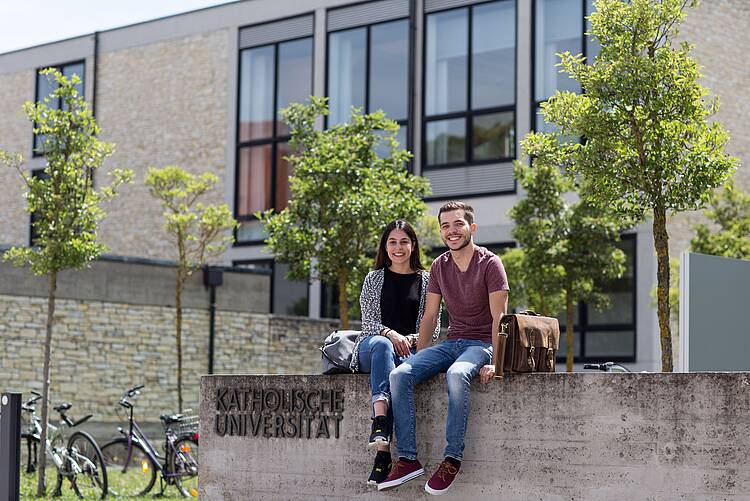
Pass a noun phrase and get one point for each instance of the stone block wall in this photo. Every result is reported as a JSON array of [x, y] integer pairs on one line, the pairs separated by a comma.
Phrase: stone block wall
[[101, 349]]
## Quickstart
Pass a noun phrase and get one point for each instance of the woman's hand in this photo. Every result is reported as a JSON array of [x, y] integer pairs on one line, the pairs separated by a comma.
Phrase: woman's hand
[[401, 344]]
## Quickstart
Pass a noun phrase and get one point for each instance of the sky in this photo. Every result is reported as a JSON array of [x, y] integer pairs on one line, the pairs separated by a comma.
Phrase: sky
[[25, 23]]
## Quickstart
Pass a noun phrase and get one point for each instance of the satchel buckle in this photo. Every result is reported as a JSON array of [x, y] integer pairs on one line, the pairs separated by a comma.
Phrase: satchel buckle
[[530, 359], [550, 358]]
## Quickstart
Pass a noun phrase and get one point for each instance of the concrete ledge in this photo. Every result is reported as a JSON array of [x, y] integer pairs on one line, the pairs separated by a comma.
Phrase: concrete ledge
[[556, 436]]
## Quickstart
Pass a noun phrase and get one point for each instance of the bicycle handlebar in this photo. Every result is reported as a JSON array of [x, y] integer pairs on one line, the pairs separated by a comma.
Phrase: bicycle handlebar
[[132, 392], [607, 367]]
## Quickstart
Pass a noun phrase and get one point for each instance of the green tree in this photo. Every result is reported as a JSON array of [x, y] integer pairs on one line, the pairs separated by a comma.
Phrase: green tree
[[569, 249], [730, 214], [533, 289], [649, 148], [343, 194], [66, 206], [198, 231], [728, 235]]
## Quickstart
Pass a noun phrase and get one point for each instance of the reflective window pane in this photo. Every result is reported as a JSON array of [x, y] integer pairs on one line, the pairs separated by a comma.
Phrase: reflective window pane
[[346, 73], [493, 136], [493, 72], [558, 29], [256, 93], [75, 69], [382, 149], [447, 62], [254, 180], [592, 46], [389, 69], [446, 141], [283, 171], [620, 292], [289, 296], [610, 344], [563, 349], [295, 76], [251, 231], [46, 85]]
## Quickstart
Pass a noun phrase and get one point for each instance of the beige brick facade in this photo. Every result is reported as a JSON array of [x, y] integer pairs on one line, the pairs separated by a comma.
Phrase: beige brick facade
[[161, 104], [719, 31], [15, 136], [100, 349]]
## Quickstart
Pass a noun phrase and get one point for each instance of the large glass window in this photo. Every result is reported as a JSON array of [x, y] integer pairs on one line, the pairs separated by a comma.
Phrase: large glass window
[[558, 27], [607, 335], [46, 85], [288, 297], [271, 77], [368, 68], [470, 74]]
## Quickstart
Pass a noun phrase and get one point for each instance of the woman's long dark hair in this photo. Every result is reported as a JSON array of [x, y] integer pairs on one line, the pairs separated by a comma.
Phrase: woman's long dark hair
[[382, 260]]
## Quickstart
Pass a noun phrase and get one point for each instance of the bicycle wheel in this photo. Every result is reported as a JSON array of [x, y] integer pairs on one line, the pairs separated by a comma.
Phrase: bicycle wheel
[[134, 477], [90, 479], [29, 452], [183, 464]]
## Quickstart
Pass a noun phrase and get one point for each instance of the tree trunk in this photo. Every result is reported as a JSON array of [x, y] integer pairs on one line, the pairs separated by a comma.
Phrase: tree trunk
[[569, 330], [661, 243], [343, 303], [178, 332], [52, 288]]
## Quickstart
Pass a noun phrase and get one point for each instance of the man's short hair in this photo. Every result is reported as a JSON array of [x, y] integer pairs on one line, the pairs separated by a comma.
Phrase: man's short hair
[[454, 205]]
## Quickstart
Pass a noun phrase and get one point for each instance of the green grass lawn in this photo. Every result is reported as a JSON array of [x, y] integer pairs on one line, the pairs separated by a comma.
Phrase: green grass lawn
[[28, 488]]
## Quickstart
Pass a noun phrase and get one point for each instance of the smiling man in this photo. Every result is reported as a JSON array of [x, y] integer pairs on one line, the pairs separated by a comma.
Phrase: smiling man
[[473, 283]]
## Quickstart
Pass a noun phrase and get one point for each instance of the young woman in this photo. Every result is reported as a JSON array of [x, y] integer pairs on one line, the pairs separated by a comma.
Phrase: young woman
[[392, 304]]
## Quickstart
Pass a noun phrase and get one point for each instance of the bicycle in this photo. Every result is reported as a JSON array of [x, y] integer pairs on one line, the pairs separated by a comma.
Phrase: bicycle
[[133, 461], [607, 367], [80, 461]]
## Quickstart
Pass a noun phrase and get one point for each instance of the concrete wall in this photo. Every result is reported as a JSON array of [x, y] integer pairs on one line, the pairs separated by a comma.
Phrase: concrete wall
[[546, 437]]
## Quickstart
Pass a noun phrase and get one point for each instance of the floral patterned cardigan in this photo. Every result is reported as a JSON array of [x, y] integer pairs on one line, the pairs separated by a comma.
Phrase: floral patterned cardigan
[[369, 301]]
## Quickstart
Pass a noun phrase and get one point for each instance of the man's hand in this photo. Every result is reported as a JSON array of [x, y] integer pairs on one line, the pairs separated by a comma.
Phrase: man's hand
[[486, 373], [401, 344]]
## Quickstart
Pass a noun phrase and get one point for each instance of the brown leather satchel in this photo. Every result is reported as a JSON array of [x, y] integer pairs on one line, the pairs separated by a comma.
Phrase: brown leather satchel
[[528, 343]]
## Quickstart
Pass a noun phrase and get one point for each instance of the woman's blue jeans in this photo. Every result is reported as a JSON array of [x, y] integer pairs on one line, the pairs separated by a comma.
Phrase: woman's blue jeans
[[461, 359], [377, 356]]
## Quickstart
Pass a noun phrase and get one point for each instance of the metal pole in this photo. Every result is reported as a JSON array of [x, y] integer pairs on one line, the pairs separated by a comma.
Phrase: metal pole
[[10, 446]]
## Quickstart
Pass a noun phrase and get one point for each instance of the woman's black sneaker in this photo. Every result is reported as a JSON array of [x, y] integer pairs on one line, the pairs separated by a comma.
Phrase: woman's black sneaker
[[381, 468], [381, 430]]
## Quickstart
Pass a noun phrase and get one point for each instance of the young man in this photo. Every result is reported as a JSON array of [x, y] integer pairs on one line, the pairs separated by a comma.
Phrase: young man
[[473, 283]]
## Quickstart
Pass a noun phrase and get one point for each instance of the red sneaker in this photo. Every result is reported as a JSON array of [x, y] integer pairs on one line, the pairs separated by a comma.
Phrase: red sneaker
[[442, 480], [401, 473]]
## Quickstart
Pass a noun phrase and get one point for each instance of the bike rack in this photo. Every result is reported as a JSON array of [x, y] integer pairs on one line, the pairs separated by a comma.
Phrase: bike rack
[[10, 452]]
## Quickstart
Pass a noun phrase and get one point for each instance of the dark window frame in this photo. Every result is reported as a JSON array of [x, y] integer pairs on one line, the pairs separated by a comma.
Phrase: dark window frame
[[583, 325], [35, 153], [409, 120], [535, 102], [469, 113], [274, 140]]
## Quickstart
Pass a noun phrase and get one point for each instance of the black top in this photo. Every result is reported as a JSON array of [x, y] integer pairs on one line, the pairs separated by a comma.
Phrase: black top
[[399, 301]]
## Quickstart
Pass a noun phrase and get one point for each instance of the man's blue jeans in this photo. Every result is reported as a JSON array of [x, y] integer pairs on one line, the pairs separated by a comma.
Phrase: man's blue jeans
[[461, 359]]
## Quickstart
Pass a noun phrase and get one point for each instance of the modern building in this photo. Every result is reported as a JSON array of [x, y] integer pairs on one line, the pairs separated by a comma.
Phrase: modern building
[[464, 78]]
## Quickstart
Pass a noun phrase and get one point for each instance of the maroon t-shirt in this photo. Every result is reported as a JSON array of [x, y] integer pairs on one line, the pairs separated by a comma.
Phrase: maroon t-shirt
[[466, 294]]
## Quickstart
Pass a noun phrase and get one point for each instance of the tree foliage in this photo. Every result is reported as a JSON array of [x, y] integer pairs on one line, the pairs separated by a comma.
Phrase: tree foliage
[[650, 148], [66, 207], [730, 214], [342, 196], [568, 248], [197, 231]]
